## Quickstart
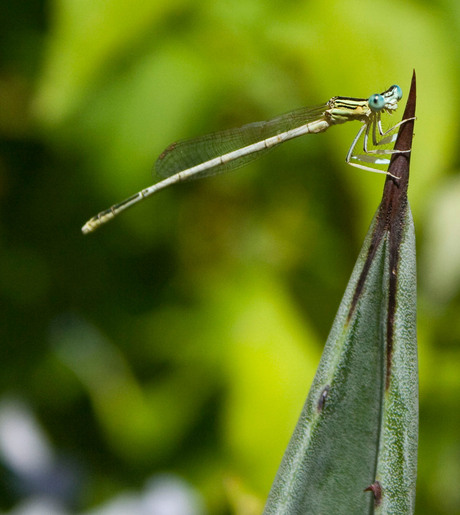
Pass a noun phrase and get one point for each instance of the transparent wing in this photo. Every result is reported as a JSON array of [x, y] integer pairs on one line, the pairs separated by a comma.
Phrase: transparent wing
[[183, 155]]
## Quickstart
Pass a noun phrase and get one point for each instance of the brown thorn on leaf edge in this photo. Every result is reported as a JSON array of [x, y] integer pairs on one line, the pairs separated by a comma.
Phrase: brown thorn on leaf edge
[[376, 489]]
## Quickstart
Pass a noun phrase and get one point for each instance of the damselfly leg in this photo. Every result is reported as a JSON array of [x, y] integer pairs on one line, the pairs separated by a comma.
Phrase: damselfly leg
[[374, 155]]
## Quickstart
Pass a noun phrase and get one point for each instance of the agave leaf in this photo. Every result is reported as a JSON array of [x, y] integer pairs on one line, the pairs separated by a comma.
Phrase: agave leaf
[[354, 449]]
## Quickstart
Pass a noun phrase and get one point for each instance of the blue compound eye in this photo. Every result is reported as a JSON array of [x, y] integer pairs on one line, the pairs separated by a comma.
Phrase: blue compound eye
[[397, 91], [376, 102]]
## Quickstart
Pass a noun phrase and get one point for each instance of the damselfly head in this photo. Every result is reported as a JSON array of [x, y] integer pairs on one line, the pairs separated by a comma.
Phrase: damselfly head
[[388, 100]]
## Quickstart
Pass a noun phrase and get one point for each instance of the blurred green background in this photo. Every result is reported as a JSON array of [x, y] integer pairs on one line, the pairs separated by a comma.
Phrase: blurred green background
[[168, 355]]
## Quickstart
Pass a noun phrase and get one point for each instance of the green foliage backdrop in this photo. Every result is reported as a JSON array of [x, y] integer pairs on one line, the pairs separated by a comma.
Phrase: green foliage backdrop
[[183, 337]]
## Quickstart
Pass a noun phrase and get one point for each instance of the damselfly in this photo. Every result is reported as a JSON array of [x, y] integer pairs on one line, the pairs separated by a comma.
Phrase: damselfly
[[229, 149]]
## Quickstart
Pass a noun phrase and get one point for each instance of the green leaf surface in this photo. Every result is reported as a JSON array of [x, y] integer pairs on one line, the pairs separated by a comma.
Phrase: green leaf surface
[[354, 449]]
